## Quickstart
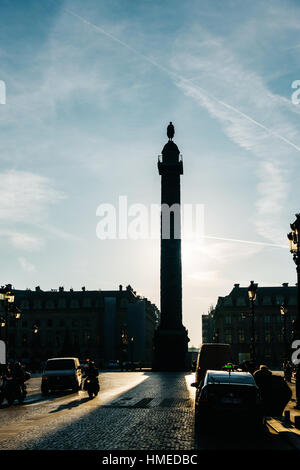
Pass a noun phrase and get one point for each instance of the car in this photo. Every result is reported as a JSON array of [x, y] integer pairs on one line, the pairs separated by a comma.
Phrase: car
[[228, 397], [113, 365], [61, 373]]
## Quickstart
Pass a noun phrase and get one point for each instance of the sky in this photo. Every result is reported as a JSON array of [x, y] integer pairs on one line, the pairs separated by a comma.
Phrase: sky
[[90, 88]]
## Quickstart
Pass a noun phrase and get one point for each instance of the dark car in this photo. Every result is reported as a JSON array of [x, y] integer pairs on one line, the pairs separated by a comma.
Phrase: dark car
[[228, 397], [61, 373]]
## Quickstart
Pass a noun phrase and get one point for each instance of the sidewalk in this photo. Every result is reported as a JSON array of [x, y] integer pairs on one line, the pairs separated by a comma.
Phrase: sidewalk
[[287, 427]]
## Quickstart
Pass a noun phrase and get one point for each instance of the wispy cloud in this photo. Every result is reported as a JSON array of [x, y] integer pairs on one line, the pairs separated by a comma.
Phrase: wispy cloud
[[25, 195], [26, 265], [25, 199]]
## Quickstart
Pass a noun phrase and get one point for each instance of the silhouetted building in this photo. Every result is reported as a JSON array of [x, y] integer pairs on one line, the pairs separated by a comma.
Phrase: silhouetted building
[[86, 324], [208, 327], [232, 321], [171, 340]]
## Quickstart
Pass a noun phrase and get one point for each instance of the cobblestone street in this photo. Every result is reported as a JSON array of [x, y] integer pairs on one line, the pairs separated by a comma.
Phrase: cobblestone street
[[134, 411]]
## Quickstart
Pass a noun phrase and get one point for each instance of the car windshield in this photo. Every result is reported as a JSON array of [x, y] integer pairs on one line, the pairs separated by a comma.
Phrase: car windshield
[[227, 377], [61, 364]]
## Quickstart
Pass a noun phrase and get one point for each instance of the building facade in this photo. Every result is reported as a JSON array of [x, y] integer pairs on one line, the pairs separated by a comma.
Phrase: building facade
[[208, 327], [231, 320], [85, 324]]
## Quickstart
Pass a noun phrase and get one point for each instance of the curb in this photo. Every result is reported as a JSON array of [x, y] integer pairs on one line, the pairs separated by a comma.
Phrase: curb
[[288, 432]]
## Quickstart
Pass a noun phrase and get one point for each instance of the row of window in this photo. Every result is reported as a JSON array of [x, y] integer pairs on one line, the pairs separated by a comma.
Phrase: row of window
[[57, 340], [265, 300], [61, 303], [257, 318], [267, 338], [50, 322], [66, 303]]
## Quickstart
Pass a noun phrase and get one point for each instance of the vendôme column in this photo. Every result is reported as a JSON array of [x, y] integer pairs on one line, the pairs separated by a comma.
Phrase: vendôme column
[[171, 339]]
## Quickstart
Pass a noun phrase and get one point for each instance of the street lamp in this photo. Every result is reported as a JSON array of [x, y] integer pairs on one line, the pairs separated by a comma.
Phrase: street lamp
[[294, 241], [8, 298], [252, 296], [35, 329], [131, 348]]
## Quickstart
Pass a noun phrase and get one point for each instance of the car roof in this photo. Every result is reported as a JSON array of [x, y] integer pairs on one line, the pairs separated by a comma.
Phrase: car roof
[[61, 358], [220, 376]]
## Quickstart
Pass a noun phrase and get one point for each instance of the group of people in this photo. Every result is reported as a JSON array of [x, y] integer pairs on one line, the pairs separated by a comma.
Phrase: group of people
[[15, 371]]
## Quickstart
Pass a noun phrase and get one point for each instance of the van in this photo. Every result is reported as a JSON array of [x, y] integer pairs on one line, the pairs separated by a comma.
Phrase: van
[[61, 373], [211, 356]]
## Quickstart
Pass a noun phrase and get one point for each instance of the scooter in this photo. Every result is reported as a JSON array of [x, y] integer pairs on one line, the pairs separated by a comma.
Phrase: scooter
[[91, 385]]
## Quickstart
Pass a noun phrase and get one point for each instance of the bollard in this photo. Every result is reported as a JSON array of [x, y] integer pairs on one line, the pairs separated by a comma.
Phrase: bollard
[[287, 417], [297, 422]]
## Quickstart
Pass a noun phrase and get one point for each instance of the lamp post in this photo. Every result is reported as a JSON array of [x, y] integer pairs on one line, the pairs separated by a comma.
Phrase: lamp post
[[284, 312], [131, 351], [124, 345], [294, 241], [252, 296], [8, 298]]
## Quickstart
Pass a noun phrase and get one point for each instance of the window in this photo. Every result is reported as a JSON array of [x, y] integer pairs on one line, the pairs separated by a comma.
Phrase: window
[[87, 303], [267, 337], [279, 299], [266, 300], [227, 301], [49, 322], [241, 336], [267, 318], [228, 338], [24, 305], [74, 303], [62, 303], [241, 301], [228, 320], [87, 337]]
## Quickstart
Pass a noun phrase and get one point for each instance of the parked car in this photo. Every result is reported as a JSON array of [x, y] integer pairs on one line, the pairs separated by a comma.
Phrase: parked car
[[211, 356], [228, 397], [113, 365], [61, 373]]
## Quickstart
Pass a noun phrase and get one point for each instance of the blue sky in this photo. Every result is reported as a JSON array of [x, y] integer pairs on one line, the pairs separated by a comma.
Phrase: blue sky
[[90, 89]]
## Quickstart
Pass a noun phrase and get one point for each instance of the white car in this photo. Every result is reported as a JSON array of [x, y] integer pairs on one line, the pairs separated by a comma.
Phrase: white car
[[61, 373]]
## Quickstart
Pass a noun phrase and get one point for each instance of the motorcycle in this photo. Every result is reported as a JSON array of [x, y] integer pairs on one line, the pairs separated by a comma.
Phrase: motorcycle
[[12, 390], [91, 385]]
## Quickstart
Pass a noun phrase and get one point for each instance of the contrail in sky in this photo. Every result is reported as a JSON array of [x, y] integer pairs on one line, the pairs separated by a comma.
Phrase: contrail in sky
[[155, 64], [245, 241]]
